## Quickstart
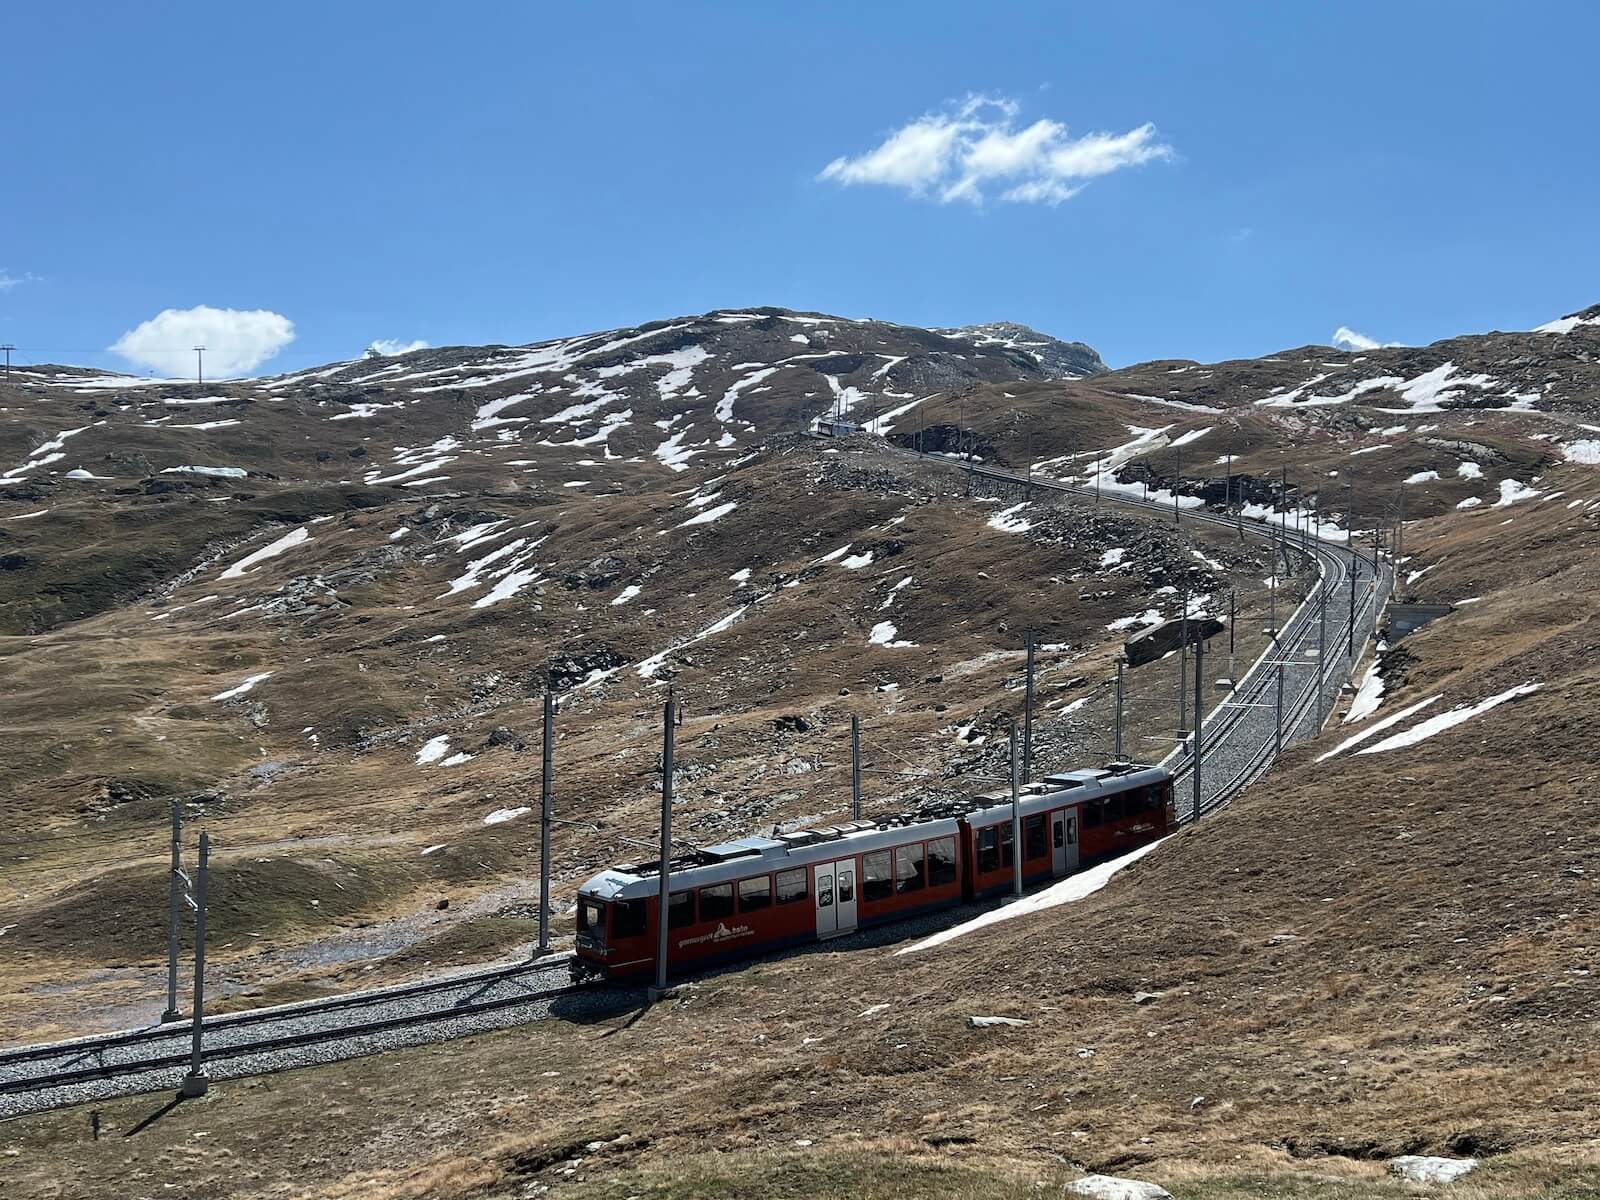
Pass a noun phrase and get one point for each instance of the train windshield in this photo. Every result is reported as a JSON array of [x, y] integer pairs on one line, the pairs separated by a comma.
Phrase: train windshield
[[592, 919]]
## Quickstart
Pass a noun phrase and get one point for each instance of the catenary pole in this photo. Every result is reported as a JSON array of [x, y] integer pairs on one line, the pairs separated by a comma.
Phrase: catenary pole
[[1027, 717], [1199, 714], [855, 767], [546, 802], [1016, 819], [1122, 661], [1233, 613], [195, 1082], [1350, 630], [199, 364], [1322, 649], [668, 716], [174, 904], [1183, 664], [1177, 513], [1277, 725], [665, 874]]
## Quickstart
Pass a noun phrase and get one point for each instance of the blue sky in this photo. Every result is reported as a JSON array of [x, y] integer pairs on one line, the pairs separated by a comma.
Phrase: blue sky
[[509, 172]]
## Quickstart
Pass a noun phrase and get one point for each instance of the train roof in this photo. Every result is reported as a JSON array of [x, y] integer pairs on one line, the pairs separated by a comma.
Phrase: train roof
[[1069, 787], [756, 855]]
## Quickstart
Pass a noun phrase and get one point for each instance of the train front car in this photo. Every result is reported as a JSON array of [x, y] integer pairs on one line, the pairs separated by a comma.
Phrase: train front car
[[759, 894]]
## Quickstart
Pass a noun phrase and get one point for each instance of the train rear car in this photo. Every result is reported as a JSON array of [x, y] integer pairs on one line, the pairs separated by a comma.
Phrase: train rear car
[[1069, 821]]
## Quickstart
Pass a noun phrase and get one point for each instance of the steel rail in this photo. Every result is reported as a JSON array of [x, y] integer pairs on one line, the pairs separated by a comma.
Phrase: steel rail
[[99, 1043], [269, 1045], [1225, 718]]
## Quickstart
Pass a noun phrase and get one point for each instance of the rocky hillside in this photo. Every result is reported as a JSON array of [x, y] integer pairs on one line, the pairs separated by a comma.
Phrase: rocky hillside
[[320, 611]]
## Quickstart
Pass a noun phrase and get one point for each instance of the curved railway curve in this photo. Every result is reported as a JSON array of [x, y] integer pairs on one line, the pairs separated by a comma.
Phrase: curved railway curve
[[1239, 738], [1238, 741]]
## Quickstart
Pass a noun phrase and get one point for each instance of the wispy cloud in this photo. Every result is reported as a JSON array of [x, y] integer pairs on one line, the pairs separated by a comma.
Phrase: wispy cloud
[[1346, 338], [387, 347], [235, 340], [973, 149], [9, 281]]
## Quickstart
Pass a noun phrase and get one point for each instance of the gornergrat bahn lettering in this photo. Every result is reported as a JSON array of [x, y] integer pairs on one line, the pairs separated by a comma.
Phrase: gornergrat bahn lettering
[[746, 897]]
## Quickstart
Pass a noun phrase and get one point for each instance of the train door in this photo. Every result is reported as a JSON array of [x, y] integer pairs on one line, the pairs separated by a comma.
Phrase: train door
[[836, 898], [1064, 841]]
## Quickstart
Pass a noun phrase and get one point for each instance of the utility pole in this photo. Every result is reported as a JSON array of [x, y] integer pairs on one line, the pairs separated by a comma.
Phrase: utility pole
[[8, 348], [199, 364], [1097, 455], [1199, 721], [546, 801], [174, 903], [1027, 718], [1016, 820], [668, 715], [855, 767], [195, 1082], [1122, 661]]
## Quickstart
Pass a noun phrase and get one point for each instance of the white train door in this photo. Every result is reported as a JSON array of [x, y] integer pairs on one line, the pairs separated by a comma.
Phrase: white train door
[[1064, 841], [835, 892]]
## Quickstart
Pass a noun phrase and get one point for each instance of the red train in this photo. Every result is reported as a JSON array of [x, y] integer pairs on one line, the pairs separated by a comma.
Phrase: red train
[[746, 897]]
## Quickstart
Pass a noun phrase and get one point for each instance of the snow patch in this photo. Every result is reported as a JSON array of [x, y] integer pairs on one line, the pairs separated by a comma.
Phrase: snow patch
[[1456, 716], [241, 688], [288, 541]]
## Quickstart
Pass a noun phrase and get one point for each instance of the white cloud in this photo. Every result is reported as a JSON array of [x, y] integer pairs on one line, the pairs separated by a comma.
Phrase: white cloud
[[235, 340], [9, 281], [1346, 338], [391, 346], [969, 149]]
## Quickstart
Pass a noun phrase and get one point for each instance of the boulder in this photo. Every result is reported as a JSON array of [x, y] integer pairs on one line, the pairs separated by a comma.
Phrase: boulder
[[1111, 1187], [1428, 1168]]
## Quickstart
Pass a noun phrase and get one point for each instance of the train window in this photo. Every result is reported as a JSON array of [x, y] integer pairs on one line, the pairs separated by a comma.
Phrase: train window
[[1007, 845], [1094, 814], [716, 902], [627, 919], [1071, 824], [908, 868], [1035, 843], [876, 882], [1152, 799], [680, 910], [989, 849], [592, 918], [791, 886], [1116, 809], [1058, 827], [941, 862], [755, 893], [847, 885]]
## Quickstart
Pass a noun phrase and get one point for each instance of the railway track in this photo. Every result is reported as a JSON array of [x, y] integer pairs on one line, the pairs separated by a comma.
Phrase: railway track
[[50, 1075], [1238, 746], [1238, 737]]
